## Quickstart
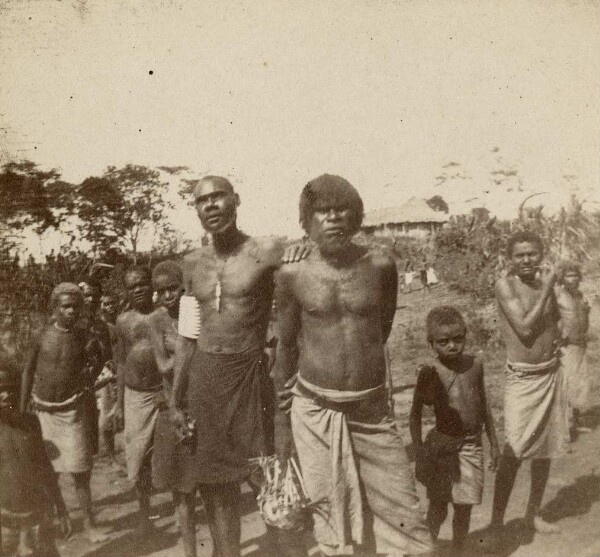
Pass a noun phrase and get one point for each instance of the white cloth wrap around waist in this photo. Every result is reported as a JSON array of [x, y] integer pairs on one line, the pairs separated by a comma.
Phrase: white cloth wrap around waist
[[189, 317], [333, 395]]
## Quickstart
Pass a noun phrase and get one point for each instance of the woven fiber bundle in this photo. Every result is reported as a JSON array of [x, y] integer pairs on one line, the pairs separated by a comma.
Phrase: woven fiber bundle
[[282, 499]]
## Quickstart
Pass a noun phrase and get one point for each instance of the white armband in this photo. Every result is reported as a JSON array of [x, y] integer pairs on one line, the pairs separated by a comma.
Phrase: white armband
[[189, 317]]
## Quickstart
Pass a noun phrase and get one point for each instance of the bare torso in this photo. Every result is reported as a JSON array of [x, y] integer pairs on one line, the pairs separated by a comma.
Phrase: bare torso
[[164, 331], [541, 346], [236, 320], [574, 316], [60, 370], [460, 409], [134, 338], [341, 321]]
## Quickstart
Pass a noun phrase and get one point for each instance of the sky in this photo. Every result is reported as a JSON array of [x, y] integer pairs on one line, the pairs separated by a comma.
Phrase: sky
[[402, 98]]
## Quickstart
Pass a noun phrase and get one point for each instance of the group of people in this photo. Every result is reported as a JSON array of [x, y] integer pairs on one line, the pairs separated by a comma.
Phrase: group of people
[[202, 388]]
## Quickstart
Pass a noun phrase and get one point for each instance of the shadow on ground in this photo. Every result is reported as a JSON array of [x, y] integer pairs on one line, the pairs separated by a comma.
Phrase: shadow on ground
[[135, 545]]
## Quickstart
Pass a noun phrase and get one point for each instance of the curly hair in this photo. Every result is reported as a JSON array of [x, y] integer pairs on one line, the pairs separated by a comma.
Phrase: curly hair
[[330, 190], [568, 267], [65, 289], [521, 237], [141, 270], [168, 268], [443, 315]]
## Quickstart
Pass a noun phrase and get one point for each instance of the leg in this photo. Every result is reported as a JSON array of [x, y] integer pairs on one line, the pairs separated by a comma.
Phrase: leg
[[84, 496], [460, 524], [185, 504], [505, 481], [436, 514], [223, 513], [143, 488], [540, 469], [26, 542]]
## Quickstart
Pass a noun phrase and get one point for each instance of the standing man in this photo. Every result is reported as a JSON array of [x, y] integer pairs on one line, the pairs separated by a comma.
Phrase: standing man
[[535, 413], [574, 312], [335, 313], [219, 375], [138, 385]]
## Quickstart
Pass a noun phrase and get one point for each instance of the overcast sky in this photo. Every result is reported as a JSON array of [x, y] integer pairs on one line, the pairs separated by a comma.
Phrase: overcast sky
[[274, 93]]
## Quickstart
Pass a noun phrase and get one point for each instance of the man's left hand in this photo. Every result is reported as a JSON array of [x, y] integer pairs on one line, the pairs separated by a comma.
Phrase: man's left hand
[[295, 253]]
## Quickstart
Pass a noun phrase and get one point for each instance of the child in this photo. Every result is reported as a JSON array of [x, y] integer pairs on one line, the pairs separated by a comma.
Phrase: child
[[57, 378], [453, 384], [574, 323], [138, 385], [30, 494], [169, 470]]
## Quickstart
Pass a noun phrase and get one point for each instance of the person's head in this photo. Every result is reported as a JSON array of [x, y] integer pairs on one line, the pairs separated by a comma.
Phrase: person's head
[[66, 303], [446, 332], [109, 306], [167, 280], [138, 286], [570, 275], [216, 204], [525, 251], [331, 212], [92, 292]]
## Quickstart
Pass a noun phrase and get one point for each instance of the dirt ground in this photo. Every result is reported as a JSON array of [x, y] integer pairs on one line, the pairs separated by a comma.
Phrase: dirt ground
[[571, 500]]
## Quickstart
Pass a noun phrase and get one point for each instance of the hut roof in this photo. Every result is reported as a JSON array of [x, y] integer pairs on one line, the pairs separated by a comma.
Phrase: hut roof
[[413, 211]]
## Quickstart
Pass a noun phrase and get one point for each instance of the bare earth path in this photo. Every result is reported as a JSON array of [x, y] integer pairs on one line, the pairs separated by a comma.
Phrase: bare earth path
[[572, 499]]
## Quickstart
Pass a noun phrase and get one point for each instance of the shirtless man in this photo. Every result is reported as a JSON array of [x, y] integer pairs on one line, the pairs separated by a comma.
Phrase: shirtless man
[[219, 374], [338, 306], [57, 378], [574, 323], [535, 417], [138, 385]]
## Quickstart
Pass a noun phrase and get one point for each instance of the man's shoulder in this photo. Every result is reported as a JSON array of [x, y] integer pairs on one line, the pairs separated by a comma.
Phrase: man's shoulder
[[381, 257], [194, 256], [504, 285], [264, 247]]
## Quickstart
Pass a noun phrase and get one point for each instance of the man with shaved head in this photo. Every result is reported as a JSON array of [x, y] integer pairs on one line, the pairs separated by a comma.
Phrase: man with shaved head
[[335, 313], [220, 365]]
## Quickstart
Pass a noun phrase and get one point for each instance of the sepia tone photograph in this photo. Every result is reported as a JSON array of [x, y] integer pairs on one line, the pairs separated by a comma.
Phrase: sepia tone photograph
[[294, 278]]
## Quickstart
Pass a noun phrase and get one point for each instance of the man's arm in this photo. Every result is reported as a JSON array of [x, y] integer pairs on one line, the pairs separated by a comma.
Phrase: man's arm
[[28, 373], [389, 283], [286, 360], [488, 424], [164, 360], [415, 426], [120, 357], [525, 324]]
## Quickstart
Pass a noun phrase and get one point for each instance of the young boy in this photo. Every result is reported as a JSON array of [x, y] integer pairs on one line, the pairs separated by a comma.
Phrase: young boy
[[30, 495], [58, 379], [138, 385], [574, 322], [453, 384]]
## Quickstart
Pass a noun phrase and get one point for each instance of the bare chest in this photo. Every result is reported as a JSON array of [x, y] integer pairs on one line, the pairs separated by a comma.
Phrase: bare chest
[[336, 292]]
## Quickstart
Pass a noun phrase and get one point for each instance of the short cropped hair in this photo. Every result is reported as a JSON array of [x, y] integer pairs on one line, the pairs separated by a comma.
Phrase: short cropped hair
[[219, 180], [168, 268], [521, 237], [568, 267], [65, 289], [443, 315], [141, 270], [329, 190]]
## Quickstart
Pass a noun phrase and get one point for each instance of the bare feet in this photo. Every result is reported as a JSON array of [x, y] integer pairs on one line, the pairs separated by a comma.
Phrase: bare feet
[[489, 540], [95, 535], [543, 527]]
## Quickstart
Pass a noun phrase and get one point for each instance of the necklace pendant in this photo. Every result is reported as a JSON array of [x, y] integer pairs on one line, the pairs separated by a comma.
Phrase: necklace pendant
[[218, 296]]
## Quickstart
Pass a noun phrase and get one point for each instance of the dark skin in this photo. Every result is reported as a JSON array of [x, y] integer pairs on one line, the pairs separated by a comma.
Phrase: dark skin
[[341, 301], [136, 366], [574, 309], [232, 279], [163, 328], [461, 408], [56, 368], [529, 322]]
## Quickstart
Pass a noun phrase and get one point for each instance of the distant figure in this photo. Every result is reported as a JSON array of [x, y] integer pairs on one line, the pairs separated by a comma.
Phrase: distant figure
[[454, 385], [335, 311], [29, 492], [574, 323], [535, 412], [138, 385], [57, 378]]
